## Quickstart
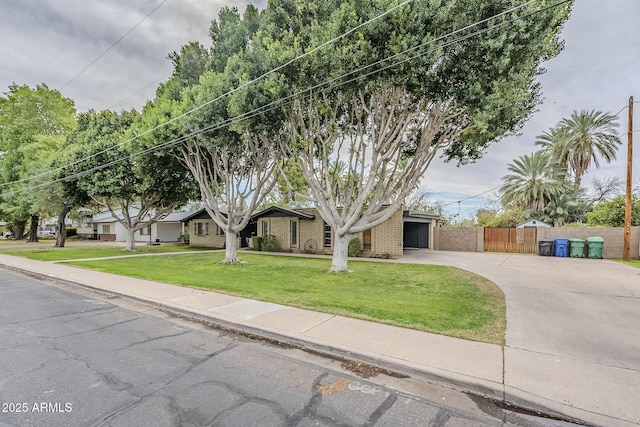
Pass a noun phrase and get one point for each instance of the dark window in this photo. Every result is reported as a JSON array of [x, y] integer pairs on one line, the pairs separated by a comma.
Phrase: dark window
[[327, 235], [294, 233]]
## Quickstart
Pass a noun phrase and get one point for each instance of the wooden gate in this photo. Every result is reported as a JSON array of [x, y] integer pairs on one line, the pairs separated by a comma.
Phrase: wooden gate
[[512, 240]]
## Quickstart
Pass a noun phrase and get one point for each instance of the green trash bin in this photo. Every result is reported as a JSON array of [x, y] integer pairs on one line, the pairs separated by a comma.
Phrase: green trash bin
[[576, 248], [594, 245]]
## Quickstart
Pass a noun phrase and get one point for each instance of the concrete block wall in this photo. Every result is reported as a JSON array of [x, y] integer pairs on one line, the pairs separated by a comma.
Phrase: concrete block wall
[[613, 238], [471, 239], [466, 239]]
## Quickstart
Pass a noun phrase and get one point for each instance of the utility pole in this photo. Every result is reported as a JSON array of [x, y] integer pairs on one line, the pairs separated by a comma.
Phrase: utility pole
[[628, 205]]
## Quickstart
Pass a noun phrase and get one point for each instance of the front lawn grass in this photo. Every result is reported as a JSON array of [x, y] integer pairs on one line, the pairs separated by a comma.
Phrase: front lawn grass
[[430, 298], [51, 253]]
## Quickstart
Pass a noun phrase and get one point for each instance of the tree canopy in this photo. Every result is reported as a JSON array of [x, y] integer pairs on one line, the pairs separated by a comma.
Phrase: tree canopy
[[34, 123]]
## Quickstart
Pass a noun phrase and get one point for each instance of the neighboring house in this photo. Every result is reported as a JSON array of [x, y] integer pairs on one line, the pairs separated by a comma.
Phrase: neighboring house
[[104, 227], [203, 231], [50, 226], [533, 223], [303, 230], [167, 229]]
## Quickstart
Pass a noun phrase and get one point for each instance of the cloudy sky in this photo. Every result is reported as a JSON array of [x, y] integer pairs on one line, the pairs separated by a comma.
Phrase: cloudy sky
[[53, 42]]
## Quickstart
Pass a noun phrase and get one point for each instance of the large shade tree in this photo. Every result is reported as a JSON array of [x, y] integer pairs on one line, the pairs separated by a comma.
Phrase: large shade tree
[[34, 123], [581, 139], [137, 186], [234, 162], [400, 93]]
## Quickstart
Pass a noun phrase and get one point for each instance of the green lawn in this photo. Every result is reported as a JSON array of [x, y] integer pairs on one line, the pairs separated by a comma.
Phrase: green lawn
[[45, 252], [431, 298]]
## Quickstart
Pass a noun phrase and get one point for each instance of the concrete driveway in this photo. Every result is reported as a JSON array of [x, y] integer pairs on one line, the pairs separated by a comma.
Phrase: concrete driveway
[[571, 322]]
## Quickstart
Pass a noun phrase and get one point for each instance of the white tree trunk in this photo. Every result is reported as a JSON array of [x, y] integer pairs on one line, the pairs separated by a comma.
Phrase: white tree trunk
[[131, 243], [231, 248], [340, 252]]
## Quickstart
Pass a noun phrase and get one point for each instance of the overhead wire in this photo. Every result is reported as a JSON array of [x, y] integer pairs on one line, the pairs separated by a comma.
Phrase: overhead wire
[[230, 92], [113, 45], [140, 90], [279, 103]]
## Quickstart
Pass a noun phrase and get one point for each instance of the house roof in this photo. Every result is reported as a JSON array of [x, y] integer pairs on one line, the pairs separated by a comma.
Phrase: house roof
[[199, 214], [171, 217], [106, 216], [419, 215], [534, 223], [277, 211], [176, 217]]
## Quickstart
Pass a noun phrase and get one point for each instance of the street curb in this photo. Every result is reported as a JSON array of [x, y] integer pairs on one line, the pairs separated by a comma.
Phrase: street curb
[[497, 395]]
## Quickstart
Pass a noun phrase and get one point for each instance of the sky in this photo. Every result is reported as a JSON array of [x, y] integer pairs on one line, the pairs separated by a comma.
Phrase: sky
[[112, 54]]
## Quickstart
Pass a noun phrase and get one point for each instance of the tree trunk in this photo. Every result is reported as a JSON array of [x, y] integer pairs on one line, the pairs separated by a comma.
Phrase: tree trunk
[[61, 235], [18, 230], [340, 253], [231, 248], [131, 242], [33, 231]]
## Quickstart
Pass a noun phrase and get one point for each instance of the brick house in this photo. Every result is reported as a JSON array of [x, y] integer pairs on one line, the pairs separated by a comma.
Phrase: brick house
[[304, 230]]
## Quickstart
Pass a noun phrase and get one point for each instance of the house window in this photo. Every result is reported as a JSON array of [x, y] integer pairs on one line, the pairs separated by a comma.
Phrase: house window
[[219, 231], [201, 229], [106, 228], [327, 235], [293, 228], [146, 231], [265, 228]]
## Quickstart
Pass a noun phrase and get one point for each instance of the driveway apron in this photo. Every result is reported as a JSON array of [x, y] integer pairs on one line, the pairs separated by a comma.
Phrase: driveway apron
[[573, 327]]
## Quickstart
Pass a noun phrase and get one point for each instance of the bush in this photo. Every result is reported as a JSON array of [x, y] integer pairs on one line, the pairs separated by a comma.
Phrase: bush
[[355, 247], [72, 231], [256, 243], [184, 238], [270, 244]]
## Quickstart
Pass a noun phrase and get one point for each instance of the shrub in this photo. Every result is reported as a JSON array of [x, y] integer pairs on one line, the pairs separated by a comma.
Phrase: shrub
[[72, 231], [355, 247], [256, 243], [270, 244], [184, 238]]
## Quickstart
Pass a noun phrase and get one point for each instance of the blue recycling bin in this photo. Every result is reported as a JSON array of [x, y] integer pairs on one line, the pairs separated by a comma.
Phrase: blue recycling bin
[[561, 247]]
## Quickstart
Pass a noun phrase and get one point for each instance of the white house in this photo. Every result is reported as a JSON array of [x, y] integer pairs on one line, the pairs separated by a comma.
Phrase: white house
[[103, 226], [533, 223]]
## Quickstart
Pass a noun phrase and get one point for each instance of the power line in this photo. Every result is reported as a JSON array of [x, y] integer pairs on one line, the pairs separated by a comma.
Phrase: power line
[[113, 45], [230, 92], [278, 103], [472, 197], [621, 110], [140, 90]]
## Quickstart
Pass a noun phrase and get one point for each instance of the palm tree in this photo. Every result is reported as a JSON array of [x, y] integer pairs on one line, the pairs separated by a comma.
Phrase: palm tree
[[535, 180], [566, 207], [580, 139]]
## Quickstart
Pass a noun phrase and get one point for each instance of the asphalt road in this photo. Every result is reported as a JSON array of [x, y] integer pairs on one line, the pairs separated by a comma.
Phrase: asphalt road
[[73, 357]]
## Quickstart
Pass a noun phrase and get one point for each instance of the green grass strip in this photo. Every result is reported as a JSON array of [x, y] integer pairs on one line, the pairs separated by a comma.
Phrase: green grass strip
[[431, 298], [51, 253]]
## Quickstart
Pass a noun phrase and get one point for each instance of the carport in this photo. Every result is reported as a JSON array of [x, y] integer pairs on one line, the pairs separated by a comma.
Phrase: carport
[[416, 229]]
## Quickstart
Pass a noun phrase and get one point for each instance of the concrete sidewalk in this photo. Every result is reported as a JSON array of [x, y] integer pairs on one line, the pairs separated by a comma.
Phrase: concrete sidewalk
[[535, 370]]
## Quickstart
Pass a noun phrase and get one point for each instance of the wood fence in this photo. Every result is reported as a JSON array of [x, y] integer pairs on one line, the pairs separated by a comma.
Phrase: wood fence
[[512, 240]]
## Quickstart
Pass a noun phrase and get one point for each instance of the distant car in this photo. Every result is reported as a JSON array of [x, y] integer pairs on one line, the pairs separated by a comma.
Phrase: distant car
[[6, 234], [46, 233]]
